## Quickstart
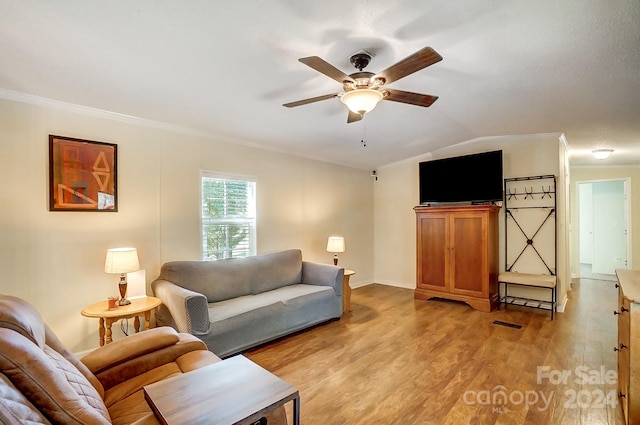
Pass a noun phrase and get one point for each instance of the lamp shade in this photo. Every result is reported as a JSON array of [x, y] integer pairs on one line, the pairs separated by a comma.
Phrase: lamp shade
[[361, 101], [335, 244], [121, 260]]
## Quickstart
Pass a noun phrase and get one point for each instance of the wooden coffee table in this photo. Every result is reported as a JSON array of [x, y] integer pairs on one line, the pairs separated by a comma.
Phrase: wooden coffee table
[[232, 391]]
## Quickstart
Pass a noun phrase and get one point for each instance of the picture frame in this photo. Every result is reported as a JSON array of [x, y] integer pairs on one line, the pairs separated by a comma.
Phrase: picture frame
[[82, 175]]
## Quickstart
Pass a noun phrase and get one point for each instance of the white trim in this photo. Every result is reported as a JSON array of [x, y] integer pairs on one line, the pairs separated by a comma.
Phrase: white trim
[[628, 220], [511, 137], [227, 176], [397, 284], [130, 119], [560, 307], [251, 222], [627, 214], [564, 142]]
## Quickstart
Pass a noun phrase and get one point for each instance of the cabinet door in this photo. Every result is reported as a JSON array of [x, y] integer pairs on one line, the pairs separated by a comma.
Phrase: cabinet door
[[433, 252], [624, 364], [468, 241]]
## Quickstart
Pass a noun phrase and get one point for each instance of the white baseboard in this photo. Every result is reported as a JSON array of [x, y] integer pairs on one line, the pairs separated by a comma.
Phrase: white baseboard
[[359, 284], [562, 305], [396, 284]]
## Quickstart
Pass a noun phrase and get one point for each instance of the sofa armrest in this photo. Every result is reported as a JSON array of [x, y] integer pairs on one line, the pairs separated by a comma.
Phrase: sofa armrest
[[189, 310], [323, 275], [116, 374], [133, 346]]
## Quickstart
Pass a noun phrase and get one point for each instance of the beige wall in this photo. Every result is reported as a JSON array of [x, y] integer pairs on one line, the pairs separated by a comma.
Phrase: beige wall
[[55, 260], [396, 193], [582, 174]]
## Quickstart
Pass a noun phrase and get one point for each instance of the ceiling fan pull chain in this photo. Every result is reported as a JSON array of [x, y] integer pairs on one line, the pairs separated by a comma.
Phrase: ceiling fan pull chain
[[364, 131]]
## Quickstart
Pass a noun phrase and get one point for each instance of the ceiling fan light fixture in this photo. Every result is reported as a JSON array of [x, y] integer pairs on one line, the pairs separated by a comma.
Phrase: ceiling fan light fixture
[[361, 101], [602, 153]]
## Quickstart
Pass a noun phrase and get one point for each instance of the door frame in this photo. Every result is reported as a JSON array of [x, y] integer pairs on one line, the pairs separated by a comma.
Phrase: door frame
[[627, 215]]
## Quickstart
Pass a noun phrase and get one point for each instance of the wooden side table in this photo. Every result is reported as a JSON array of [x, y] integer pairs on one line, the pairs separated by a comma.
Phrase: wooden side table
[[107, 316], [346, 291]]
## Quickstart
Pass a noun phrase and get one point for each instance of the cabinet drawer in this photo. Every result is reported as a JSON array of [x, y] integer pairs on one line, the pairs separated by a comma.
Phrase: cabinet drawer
[[628, 344]]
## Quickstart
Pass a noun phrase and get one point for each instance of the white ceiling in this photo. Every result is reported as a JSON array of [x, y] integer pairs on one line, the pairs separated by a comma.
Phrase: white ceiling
[[224, 68]]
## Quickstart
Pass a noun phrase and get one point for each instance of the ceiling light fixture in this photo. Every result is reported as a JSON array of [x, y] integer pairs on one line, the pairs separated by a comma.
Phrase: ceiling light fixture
[[361, 101], [602, 153]]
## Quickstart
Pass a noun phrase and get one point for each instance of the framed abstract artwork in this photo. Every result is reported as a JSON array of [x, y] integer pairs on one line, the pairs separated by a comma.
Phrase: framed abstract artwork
[[82, 175]]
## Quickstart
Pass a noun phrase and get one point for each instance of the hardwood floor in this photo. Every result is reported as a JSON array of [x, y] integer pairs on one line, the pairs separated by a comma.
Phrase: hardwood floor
[[393, 360]]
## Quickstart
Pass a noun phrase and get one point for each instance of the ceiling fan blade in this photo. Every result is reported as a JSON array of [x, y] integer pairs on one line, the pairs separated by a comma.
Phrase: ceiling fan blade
[[353, 117], [415, 62], [410, 98], [326, 68], [310, 100]]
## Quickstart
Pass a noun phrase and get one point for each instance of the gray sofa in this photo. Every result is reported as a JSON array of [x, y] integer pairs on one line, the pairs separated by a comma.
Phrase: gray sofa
[[236, 304]]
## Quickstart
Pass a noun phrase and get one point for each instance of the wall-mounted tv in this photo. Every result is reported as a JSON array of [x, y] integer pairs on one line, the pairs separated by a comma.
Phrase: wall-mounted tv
[[473, 178]]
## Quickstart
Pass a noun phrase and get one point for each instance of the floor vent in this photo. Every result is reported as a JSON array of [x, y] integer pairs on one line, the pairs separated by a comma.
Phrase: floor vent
[[507, 324]]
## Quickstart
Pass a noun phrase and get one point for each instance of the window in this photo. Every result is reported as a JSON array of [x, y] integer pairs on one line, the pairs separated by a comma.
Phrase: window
[[228, 216]]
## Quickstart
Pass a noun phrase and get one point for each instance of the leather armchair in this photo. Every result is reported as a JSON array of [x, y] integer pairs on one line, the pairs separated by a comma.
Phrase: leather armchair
[[41, 382]]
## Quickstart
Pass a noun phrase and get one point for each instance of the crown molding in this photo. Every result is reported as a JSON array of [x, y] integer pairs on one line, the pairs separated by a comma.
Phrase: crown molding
[[95, 112]]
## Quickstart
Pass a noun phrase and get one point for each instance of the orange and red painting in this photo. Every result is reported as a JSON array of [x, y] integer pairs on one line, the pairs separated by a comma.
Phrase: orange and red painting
[[82, 175]]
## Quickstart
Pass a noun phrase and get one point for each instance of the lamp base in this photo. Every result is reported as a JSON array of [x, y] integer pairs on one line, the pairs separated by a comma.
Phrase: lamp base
[[122, 287]]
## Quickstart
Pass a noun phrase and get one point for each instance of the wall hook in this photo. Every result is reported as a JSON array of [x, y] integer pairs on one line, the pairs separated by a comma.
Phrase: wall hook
[[528, 193]]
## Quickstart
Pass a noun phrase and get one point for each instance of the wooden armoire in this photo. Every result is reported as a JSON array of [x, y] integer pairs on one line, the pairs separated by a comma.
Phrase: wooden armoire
[[457, 254]]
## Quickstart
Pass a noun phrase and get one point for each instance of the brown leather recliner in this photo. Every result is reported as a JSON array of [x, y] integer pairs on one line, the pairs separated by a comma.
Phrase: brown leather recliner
[[41, 382]]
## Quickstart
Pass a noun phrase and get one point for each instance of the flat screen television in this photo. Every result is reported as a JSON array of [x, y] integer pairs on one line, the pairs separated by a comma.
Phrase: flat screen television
[[469, 179]]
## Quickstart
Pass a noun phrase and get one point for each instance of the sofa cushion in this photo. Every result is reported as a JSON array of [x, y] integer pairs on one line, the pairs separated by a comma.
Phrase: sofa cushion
[[288, 312], [236, 277], [54, 343], [132, 410], [15, 409], [273, 271], [50, 382], [229, 308], [119, 393], [126, 401], [20, 316], [217, 280], [131, 369], [195, 360]]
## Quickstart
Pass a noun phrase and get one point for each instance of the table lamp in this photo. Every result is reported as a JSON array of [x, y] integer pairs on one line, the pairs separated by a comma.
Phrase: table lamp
[[335, 244], [123, 261]]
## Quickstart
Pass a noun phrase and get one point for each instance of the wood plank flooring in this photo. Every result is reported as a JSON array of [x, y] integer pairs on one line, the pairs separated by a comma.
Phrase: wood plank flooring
[[393, 360]]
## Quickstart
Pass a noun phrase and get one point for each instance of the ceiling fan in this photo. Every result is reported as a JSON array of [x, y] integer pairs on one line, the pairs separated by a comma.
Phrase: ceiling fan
[[363, 90]]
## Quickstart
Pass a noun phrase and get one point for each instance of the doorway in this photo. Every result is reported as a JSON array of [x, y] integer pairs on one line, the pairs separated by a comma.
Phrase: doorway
[[604, 228]]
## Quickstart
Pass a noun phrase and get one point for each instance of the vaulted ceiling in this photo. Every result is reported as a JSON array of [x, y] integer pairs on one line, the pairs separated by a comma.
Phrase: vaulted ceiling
[[224, 68]]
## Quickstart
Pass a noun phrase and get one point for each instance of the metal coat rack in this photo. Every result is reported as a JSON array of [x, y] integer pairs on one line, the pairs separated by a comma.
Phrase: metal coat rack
[[533, 193]]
